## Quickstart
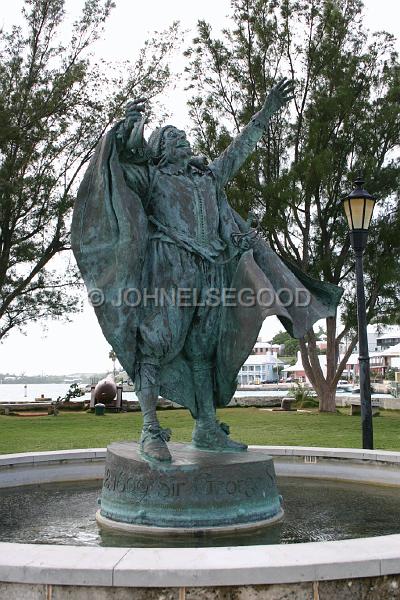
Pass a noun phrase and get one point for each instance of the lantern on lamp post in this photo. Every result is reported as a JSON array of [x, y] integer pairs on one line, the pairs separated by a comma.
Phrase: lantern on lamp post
[[359, 206]]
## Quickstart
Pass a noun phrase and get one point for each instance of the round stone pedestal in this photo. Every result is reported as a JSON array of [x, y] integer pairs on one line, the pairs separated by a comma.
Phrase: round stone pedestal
[[197, 491]]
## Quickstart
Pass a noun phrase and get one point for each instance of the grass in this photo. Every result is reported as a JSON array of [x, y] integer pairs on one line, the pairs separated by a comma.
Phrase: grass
[[251, 425]]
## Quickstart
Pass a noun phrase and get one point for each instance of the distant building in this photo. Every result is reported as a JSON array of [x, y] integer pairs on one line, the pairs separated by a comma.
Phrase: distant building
[[322, 344], [352, 369], [391, 357], [297, 370], [376, 363], [388, 339], [261, 347], [75, 378], [377, 342], [380, 362], [260, 368]]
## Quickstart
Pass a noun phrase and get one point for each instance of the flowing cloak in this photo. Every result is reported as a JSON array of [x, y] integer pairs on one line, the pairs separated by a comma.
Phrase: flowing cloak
[[109, 236]]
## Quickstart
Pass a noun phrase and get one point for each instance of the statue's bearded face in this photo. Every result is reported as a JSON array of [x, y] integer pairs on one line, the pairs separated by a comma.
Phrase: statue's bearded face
[[176, 147]]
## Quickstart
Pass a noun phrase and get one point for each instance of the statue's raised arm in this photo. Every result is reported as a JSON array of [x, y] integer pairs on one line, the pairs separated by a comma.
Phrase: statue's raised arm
[[130, 133], [229, 162]]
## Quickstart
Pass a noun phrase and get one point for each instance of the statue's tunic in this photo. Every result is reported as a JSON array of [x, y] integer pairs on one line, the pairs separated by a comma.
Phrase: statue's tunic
[[186, 261]]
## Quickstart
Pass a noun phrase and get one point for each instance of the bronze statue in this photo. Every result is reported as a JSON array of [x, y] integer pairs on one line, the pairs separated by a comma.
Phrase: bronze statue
[[161, 250]]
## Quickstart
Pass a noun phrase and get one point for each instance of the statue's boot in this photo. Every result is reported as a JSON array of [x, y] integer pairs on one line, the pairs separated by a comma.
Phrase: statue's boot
[[153, 440], [213, 435], [208, 433]]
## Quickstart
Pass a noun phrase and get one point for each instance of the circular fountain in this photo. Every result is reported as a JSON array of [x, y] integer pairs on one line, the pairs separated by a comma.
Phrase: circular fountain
[[76, 557]]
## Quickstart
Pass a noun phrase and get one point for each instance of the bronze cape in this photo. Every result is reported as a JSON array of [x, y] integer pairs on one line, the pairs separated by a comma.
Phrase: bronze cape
[[110, 231]]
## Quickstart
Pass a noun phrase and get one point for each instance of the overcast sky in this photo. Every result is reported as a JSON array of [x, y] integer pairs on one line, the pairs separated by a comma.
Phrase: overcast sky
[[79, 346]]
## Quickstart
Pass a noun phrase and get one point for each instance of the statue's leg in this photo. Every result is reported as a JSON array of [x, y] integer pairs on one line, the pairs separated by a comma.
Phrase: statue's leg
[[202, 372], [163, 326], [153, 439], [200, 349], [208, 432]]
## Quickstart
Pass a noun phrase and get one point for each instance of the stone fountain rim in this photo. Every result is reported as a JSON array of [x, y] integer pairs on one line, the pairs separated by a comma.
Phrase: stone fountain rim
[[243, 565]]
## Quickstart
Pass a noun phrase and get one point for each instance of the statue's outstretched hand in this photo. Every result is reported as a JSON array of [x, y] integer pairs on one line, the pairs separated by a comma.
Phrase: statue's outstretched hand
[[134, 112], [280, 95], [134, 123]]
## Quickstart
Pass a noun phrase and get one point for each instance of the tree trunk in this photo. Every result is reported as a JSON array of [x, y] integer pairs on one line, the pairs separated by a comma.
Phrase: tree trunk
[[331, 350], [324, 387], [327, 399]]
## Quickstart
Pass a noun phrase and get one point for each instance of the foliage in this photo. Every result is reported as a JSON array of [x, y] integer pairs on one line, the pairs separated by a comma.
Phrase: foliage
[[303, 395], [113, 357], [345, 118], [390, 373], [74, 392], [55, 104], [309, 403], [291, 344], [288, 360]]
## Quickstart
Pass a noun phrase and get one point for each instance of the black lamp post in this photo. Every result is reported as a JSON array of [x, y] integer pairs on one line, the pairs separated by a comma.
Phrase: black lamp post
[[359, 206]]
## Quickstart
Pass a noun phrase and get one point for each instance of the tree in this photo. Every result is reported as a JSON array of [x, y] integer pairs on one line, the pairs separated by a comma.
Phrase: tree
[[291, 344], [55, 105], [320, 333], [345, 117], [113, 358]]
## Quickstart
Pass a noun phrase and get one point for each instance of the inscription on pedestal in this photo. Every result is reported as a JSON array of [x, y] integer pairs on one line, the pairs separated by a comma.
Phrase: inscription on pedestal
[[204, 485], [196, 489]]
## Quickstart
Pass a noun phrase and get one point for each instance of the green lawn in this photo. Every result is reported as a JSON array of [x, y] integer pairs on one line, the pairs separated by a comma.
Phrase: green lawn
[[251, 425]]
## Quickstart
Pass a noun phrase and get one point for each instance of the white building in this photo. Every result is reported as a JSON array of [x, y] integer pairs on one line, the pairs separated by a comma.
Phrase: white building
[[377, 341], [260, 368], [388, 339], [391, 357]]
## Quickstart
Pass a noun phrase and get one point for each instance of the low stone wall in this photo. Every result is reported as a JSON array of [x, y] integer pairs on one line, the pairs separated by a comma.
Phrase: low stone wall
[[257, 401], [370, 588], [388, 403], [252, 572], [365, 569]]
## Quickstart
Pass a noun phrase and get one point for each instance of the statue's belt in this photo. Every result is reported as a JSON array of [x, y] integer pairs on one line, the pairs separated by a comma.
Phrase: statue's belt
[[210, 252]]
